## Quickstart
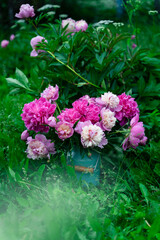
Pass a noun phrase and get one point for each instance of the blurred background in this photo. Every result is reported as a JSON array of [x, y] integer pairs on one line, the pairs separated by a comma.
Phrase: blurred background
[[90, 10]]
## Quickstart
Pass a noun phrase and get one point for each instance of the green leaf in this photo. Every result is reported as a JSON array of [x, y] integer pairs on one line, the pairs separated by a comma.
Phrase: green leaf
[[103, 84], [14, 91], [117, 69], [12, 173], [81, 84], [40, 171], [157, 169], [144, 192], [21, 77], [101, 57], [15, 83]]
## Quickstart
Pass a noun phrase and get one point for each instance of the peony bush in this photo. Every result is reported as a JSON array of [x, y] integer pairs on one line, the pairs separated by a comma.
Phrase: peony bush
[[96, 85]]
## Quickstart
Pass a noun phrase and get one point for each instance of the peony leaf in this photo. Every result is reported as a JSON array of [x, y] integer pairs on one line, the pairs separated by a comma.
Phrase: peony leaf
[[21, 77]]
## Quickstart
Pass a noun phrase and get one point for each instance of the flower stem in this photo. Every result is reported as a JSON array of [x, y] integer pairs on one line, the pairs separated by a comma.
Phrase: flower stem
[[58, 107], [72, 70], [30, 21]]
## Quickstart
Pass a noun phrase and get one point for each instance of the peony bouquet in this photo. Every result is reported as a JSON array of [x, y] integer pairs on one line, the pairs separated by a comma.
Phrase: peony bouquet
[[90, 119]]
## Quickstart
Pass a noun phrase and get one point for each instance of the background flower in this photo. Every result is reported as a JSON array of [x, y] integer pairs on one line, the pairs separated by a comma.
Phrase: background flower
[[71, 24], [81, 25], [12, 37], [25, 11], [4, 43], [34, 43]]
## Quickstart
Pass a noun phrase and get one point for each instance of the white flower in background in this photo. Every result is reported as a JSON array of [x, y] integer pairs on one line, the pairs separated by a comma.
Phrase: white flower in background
[[71, 24], [100, 23], [152, 12], [118, 24]]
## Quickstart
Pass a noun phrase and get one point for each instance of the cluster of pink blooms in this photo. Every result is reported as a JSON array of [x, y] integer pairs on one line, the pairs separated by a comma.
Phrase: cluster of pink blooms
[[25, 11], [38, 117], [91, 117], [4, 43], [34, 44], [88, 117], [74, 26]]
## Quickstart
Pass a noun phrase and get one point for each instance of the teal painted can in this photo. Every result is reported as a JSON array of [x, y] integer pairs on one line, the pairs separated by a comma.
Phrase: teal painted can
[[86, 164]]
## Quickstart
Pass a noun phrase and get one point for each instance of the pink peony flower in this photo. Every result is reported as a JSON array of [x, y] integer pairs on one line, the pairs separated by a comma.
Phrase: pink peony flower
[[69, 115], [88, 111], [4, 43], [133, 37], [39, 147], [51, 121], [51, 93], [24, 135], [136, 136], [134, 45], [129, 108], [108, 119], [92, 136], [64, 130], [12, 37], [34, 53], [80, 125], [34, 44], [36, 40], [71, 25], [36, 114], [108, 100], [81, 26], [26, 11], [89, 99]]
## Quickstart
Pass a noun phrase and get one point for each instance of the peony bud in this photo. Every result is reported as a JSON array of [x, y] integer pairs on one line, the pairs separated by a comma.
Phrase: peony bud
[[24, 135], [12, 37]]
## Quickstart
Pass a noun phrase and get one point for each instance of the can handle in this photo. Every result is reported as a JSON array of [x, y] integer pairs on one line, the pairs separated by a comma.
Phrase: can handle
[[82, 169]]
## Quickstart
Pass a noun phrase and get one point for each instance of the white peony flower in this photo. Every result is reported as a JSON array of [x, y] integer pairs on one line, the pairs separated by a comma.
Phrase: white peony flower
[[108, 119], [92, 136], [111, 100]]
